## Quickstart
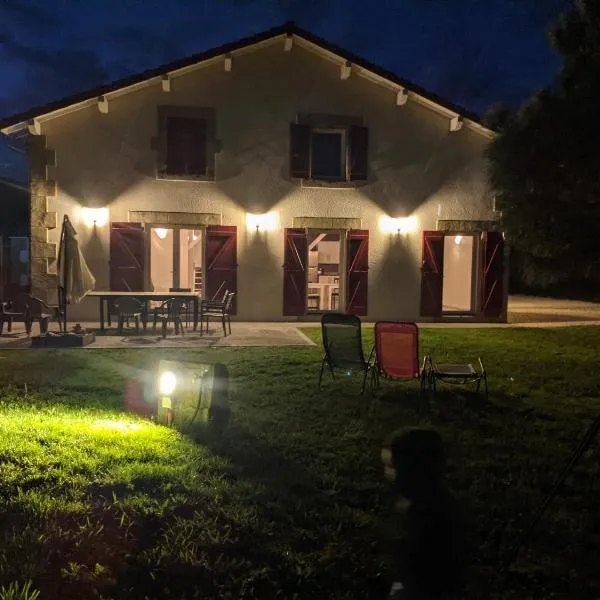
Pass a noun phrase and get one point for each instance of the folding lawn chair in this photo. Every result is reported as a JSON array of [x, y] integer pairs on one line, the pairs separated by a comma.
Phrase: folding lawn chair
[[396, 352], [342, 343]]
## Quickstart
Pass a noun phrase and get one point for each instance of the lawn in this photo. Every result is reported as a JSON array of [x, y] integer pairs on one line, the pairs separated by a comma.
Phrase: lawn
[[288, 502]]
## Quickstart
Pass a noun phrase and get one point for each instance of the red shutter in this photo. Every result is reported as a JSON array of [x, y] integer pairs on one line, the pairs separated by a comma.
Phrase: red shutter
[[358, 146], [493, 274], [299, 150], [127, 251], [432, 273], [295, 260], [221, 262], [357, 272]]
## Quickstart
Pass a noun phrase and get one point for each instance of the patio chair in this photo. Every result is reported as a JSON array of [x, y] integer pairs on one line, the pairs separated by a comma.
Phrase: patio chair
[[16, 309], [187, 309], [170, 312], [129, 309], [396, 354], [217, 311], [43, 312], [342, 344]]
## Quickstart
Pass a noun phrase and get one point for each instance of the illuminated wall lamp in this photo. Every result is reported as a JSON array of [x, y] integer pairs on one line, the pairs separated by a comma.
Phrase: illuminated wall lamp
[[400, 226], [93, 217], [266, 222]]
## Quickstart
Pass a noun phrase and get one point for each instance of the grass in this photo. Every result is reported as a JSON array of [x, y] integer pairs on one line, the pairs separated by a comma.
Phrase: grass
[[289, 502]]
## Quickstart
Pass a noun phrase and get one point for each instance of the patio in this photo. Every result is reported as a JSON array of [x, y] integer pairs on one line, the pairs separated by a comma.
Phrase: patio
[[242, 335]]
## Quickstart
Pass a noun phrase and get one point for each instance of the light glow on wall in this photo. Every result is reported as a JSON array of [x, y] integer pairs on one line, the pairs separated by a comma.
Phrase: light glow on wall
[[266, 222], [401, 225], [161, 232], [95, 216], [458, 239]]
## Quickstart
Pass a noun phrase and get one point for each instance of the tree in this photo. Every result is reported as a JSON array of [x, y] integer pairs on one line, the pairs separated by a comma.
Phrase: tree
[[545, 163]]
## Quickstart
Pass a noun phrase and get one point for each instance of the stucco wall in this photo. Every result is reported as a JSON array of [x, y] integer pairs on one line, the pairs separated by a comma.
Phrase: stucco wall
[[416, 167]]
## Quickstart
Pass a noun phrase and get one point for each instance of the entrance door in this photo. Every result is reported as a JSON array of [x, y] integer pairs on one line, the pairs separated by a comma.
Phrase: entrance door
[[175, 259], [324, 271], [457, 287], [463, 274]]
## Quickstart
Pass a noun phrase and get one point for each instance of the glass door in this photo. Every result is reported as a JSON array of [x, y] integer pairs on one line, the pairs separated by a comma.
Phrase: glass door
[[176, 259]]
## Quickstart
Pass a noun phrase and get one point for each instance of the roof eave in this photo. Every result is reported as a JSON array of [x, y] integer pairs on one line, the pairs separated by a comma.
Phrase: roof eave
[[25, 120]]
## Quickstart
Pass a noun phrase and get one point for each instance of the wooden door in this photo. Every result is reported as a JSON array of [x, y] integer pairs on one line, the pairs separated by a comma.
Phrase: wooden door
[[357, 272], [221, 262], [295, 263], [127, 252]]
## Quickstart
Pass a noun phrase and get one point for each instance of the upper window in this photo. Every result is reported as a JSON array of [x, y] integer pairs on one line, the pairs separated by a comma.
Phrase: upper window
[[328, 154], [186, 145]]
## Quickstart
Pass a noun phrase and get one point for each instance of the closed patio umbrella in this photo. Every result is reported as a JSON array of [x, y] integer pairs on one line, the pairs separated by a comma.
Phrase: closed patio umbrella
[[75, 279]]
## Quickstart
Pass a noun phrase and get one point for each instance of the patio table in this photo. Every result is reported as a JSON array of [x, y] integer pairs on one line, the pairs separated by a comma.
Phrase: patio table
[[145, 297]]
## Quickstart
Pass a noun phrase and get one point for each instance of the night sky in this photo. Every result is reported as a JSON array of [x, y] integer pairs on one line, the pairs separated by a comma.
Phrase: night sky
[[471, 52]]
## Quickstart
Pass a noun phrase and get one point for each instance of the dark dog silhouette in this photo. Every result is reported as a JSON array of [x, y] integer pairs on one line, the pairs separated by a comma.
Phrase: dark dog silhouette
[[432, 555]]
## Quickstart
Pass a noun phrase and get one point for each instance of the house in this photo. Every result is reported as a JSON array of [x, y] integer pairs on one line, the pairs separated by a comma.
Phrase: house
[[281, 167], [14, 236]]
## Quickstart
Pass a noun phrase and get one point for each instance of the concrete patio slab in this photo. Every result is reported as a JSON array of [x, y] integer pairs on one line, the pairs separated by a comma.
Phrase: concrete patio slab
[[242, 335], [523, 311]]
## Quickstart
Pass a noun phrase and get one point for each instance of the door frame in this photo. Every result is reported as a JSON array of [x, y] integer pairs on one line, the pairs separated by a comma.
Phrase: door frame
[[343, 283], [176, 251], [475, 308]]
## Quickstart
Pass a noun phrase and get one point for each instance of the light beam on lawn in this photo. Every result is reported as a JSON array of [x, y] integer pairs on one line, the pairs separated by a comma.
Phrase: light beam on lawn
[[123, 426]]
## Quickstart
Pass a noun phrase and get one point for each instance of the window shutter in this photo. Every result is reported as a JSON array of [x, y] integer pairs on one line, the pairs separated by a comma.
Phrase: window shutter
[[299, 150], [127, 251], [357, 272], [295, 260], [221, 262], [492, 265], [358, 152], [432, 273]]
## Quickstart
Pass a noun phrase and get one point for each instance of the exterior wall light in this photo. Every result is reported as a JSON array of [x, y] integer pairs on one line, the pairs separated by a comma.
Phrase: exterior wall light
[[161, 232], [458, 240], [93, 217], [401, 226], [265, 222]]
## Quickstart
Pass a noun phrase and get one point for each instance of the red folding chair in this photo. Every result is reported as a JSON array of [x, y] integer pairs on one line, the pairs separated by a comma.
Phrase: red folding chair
[[397, 354]]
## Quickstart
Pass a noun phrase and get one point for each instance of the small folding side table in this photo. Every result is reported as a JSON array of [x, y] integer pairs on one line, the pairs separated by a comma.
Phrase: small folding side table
[[458, 374]]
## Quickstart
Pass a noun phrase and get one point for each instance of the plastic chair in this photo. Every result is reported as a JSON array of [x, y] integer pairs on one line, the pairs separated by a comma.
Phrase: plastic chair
[[128, 309], [342, 344], [170, 311]]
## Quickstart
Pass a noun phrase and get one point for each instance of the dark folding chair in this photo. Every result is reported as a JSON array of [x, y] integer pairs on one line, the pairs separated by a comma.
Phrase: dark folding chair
[[170, 312], [342, 344], [130, 309], [218, 311], [396, 354]]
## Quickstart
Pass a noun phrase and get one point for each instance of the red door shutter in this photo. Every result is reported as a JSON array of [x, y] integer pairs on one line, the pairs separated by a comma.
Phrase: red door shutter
[[127, 251], [295, 260], [357, 272], [432, 273], [493, 274], [358, 146], [221, 262], [299, 150]]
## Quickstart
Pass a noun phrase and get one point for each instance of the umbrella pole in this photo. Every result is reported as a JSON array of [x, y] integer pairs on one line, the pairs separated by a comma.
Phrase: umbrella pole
[[62, 289]]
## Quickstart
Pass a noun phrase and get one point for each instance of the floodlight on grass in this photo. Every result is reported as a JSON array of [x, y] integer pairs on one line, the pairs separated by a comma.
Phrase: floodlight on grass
[[167, 383], [192, 392]]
